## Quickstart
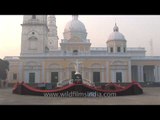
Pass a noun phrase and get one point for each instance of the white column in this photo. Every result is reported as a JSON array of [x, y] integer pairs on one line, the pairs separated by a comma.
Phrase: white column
[[113, 76], [43, 78], [141, 73], [64, 74], [20, 71], [26, 75], [109, 49], [67, 73], [102, 71], [90, 75], [156, 72], [107, 73], [48, 74], [129, 72], [124, 76], [121, 48], [37, 76], [8, 76], [83, 73], [114, 48], [60, 75]]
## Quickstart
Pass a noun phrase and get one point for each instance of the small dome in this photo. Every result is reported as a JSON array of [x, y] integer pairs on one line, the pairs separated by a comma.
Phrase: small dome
[[75, 25], [116, 35]]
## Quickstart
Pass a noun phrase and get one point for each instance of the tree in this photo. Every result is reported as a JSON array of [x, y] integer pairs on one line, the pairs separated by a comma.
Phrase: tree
[[4, 66]]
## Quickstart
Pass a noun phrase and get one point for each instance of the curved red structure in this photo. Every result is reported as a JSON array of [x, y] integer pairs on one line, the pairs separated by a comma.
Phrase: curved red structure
[[80, 89]]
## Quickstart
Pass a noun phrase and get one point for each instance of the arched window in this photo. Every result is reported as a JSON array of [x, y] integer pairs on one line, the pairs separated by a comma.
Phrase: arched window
[[118, 49], [124, 49], [75, 52], [111, 49], [33, 43], [33, 16]]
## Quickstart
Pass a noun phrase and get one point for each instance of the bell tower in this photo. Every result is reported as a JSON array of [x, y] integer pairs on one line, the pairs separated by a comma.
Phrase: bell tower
[[34, 34], [52, 34]]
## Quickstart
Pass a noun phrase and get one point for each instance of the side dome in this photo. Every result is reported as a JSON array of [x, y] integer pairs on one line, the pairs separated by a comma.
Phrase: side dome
[[75, 29], [116, 35]]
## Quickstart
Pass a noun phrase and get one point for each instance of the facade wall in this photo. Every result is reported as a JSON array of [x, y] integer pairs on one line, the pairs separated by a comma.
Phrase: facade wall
[[64, 67], [14, 68], [43, 68]]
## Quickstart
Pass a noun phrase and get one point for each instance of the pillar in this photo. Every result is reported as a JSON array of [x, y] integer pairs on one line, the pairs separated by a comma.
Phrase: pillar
[[20, 72], [67, 73], [129, 72], [83, 73], [43, 70], [60, 76], [158, 73], [90, 75], [157, 76], [141, 72], [138, 73], [107, 73], [102, 71]]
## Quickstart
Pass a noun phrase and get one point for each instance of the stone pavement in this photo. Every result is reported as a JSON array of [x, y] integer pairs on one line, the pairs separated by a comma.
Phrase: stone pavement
[[151, 96]]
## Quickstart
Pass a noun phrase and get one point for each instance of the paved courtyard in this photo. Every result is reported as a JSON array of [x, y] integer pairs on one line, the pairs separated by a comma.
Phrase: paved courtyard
[[151, 96]]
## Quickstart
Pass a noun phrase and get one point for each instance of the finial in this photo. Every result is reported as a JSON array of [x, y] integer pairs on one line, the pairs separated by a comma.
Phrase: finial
[[115, 29], [75, 17]]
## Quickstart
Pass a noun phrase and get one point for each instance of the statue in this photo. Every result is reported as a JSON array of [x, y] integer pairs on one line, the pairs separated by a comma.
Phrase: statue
[[78, 76], [77, 67]]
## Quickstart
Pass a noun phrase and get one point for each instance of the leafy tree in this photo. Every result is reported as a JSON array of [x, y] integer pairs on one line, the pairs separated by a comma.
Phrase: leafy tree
[[4, 66]]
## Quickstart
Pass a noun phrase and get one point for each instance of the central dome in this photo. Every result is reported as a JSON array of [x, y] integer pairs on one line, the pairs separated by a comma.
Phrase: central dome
[[75, 26], [75, 30]]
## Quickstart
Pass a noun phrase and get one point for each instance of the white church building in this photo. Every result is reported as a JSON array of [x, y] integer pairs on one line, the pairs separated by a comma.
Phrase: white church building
[[41, 60]]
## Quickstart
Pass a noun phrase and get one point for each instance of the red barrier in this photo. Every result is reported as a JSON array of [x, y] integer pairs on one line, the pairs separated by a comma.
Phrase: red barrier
[[118, 88]]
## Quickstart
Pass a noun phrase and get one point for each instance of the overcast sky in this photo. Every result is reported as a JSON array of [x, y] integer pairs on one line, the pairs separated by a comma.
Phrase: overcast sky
[[138, 30]]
